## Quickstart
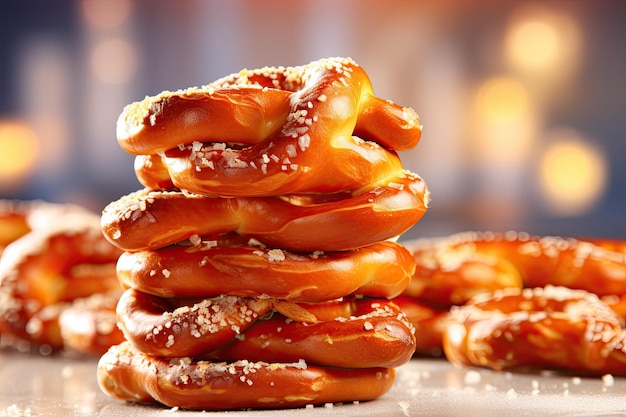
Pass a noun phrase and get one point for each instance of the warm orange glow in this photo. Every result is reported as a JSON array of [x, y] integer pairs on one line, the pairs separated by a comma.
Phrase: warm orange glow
[[19, 151], [533, 44], [105, 13], [114, 61], [573, 174], [542, 41], [502, 97], [504, 121]]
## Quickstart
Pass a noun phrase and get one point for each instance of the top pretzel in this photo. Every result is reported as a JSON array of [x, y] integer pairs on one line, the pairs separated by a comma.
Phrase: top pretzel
[[316, 128]]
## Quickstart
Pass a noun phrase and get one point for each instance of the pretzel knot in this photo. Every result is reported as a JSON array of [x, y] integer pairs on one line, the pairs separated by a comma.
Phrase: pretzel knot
[[58, 286], [313, 128]]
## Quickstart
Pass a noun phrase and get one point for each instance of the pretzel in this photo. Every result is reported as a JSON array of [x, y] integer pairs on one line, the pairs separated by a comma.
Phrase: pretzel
[[267, 169], [211, 267], [515, 260], [447, 275], [280, 134], [451, 270], [129, 374], [89, 324], [62, 257], [545, 328], [149, 219], [356, 334], [247, 107]]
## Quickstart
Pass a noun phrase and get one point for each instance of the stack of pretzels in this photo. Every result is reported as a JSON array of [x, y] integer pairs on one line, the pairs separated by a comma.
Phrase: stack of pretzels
[[58, 286], [513, 300], [259, 261]]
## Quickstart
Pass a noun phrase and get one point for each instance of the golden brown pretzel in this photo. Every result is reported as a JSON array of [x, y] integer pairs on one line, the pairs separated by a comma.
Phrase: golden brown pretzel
[[151, 219], [211, 267], [322, 168], [89, 324], [247, 107], [355, 334], [451, 270], [315, 150], [448, 275], [324, 104], [62, 258], [128, 374], [545, 328], [518, 259]]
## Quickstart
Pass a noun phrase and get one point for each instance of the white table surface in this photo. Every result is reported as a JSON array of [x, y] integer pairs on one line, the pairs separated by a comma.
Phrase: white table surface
[[60, 385]]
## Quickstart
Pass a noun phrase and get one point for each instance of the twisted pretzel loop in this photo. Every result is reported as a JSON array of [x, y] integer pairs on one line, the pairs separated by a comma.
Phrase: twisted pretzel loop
[[272, 131]]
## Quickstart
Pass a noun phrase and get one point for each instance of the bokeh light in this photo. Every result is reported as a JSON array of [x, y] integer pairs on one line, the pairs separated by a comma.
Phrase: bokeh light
[[114, 61], [504, 122], [105, 13], [533, 44], [19, 152], [542, 41], [573, 173]]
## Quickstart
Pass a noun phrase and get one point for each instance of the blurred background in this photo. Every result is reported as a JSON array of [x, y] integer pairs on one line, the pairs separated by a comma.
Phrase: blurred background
[[523, 103]]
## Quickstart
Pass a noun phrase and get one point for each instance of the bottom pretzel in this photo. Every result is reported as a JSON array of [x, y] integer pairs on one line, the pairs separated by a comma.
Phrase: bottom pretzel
[[128, 374]]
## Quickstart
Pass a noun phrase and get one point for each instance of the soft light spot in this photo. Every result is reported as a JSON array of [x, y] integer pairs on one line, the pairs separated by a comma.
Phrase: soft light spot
[[19, 151], [114, 60], [573, 174]]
